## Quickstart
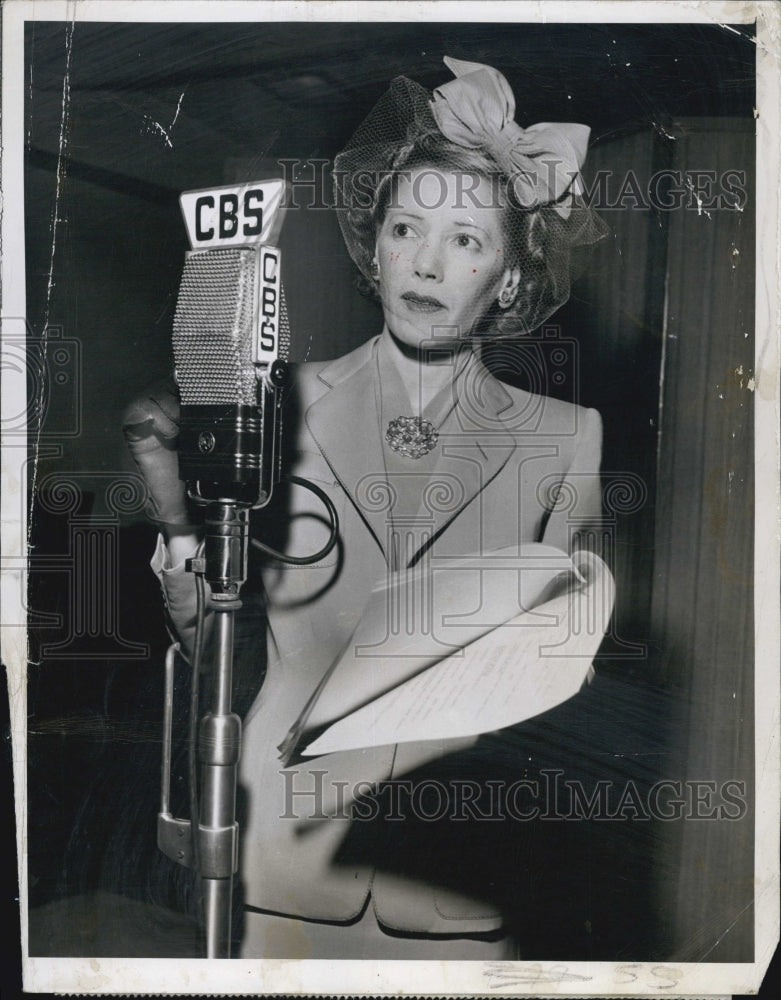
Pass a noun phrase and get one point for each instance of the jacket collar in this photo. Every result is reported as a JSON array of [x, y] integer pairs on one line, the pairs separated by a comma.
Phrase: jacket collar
[[344, 424], [342, 368], [494, 395]]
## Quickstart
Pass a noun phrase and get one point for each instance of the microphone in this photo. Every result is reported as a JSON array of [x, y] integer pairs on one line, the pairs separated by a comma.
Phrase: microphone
[[231, 343]]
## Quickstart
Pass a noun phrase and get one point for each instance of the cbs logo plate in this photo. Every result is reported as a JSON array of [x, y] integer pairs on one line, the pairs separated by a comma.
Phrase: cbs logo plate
[[234, 215]]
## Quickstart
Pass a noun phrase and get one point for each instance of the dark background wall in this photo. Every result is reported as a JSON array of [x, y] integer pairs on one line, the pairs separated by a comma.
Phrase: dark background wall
[[659, 323]]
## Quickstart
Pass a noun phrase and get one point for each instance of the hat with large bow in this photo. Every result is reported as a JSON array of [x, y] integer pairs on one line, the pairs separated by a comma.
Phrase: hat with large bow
[[475, 111]]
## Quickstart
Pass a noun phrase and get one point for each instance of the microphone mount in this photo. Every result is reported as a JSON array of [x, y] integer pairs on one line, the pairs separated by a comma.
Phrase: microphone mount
[[230, 452]]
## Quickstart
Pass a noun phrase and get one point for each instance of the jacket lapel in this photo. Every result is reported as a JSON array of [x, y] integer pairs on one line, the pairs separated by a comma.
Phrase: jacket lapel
[[344, 424], [473, 446]]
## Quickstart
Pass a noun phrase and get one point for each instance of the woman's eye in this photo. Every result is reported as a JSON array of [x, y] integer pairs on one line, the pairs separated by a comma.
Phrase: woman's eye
[[465, 240], [402, 229]]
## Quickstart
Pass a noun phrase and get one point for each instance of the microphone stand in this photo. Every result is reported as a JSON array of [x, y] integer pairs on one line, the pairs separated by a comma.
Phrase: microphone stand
[[249, 438], [213, 847], [219, 741]]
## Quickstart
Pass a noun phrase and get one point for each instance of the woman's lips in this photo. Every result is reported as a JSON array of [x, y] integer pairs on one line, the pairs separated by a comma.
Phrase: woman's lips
[[421, 303]]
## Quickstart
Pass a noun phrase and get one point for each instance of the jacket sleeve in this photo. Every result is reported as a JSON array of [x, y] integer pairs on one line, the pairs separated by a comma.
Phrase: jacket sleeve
[[575, 521], [179, 596]]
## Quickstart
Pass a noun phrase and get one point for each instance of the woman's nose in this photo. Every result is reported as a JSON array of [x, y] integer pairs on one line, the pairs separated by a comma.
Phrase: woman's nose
[[428, 262]]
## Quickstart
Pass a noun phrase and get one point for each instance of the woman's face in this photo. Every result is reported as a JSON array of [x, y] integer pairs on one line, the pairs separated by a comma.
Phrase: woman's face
[[442, 256]]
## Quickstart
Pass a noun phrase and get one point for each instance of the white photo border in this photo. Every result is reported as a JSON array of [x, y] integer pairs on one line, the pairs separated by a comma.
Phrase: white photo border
[[110, 976]]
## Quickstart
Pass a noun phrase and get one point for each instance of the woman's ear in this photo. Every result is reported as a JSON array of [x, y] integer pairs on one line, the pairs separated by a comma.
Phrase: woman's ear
[[509, 287]]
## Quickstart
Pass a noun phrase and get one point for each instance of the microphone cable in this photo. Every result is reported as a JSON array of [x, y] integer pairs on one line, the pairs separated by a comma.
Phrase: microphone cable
[[321, 553], [192, 736]]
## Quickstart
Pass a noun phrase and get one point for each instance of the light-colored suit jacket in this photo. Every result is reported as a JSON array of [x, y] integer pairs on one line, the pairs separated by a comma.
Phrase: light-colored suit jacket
[[513, 468]]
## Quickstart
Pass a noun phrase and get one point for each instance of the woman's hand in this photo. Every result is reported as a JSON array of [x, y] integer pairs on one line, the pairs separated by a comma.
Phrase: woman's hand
[[151, 428]]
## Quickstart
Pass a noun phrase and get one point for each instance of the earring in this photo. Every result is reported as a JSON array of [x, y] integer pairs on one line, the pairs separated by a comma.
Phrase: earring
[[375, 270], [507, 297]]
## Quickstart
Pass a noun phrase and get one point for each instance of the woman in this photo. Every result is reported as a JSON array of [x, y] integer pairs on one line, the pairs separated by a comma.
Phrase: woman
[[461, 222]]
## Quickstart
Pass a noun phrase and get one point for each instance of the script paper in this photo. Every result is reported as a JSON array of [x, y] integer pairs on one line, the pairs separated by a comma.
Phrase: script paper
[[516, 667]]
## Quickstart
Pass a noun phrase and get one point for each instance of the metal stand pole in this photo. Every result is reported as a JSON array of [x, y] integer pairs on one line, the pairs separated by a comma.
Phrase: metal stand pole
[[224, 565], [219, 746], [219, 742]]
